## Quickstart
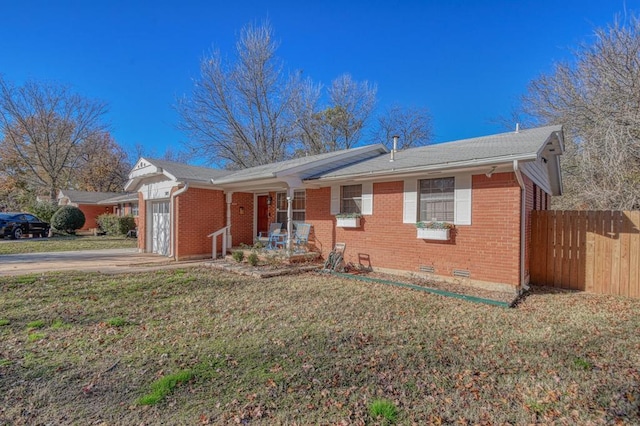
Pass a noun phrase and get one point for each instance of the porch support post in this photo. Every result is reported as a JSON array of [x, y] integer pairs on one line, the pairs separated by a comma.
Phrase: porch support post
[[228, 245], [290, 195], [292, 182]]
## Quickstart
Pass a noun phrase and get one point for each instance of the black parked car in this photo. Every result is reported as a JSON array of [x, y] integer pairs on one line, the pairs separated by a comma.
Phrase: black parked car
[[16, 225]]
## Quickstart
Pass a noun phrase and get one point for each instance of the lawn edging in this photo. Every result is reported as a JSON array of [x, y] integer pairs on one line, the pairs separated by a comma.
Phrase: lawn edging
[[445, 293]]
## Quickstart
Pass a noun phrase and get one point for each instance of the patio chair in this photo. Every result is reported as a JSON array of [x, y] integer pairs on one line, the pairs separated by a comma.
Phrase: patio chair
[[265, 237], [277, 239], [301, 235]]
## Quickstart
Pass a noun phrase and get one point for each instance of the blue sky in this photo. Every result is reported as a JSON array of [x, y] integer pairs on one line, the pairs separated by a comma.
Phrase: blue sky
[[467, 61]]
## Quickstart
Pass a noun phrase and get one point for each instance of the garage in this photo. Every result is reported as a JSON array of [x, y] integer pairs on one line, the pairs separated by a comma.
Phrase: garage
[[160, 227]]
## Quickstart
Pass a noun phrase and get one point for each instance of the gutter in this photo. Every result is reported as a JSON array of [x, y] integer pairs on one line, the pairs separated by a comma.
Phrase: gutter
[[435, 167], [172, 237], [523, 229]]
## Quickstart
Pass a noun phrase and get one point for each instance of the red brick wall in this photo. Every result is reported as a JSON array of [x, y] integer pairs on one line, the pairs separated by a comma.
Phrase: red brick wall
[[242, 218], [141, 222], [199, 212], [91, 212], [489, 248]]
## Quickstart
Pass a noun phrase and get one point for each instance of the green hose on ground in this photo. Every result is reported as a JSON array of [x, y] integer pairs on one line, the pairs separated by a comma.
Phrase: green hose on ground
[[428, 290]]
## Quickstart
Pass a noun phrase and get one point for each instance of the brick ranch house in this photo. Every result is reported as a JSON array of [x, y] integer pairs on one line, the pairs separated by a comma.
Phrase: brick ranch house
[[486, 187], [93, 204]]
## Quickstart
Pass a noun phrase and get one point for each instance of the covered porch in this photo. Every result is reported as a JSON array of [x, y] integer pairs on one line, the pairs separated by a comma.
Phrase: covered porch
[[270, 221]]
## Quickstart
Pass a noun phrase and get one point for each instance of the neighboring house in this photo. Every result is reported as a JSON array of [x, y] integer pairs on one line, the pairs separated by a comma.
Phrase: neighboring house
[[93, 204], [486, 187]]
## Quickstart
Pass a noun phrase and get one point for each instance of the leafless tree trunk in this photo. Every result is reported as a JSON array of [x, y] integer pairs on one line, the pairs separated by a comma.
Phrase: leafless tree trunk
[[597, 98], [43, 127]]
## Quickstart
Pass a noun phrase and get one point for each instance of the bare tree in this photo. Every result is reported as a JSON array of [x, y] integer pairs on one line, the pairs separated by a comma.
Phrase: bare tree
[[102, 165], [351, 105], [43, 127], [239, 113], [597, 98], [412, 125], [339, 125]]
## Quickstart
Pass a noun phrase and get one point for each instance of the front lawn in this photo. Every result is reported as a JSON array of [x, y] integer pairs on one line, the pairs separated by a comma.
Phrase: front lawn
[[65, 243], [196, 346]]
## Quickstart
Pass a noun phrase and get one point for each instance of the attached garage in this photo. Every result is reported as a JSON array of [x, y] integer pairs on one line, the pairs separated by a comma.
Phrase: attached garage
[[160, 227]]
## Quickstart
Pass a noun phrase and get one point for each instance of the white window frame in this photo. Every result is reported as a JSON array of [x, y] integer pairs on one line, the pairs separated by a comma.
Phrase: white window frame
[[446, 197], [462, 199], [356, 199], [281, 198]]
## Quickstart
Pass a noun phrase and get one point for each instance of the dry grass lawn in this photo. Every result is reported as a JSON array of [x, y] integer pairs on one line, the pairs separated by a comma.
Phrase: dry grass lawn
[[65, 243], [310, 349]]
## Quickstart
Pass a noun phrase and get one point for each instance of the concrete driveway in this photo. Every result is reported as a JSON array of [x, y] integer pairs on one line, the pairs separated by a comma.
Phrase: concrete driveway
[[106, 261]]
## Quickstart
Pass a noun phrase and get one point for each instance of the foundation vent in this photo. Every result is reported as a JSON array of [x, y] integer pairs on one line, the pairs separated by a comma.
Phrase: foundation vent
[[461, 273], [426, 268]]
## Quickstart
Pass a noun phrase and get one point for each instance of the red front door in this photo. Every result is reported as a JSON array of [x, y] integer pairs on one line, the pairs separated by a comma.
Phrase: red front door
[[263, 214]]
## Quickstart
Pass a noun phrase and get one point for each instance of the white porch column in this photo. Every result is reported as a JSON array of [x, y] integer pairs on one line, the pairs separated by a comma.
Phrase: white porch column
[[229, 199], [290, 196]]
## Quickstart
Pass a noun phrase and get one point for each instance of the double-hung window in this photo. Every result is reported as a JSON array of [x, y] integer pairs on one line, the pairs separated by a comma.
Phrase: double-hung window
[[351, 199], [298, 204], [437, 199]]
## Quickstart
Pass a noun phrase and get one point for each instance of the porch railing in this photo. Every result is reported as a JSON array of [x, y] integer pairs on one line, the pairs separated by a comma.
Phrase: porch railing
[[214, 235]]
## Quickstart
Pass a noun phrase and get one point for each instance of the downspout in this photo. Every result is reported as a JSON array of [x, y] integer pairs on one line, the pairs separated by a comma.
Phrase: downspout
[[180, 191], [523, 225]]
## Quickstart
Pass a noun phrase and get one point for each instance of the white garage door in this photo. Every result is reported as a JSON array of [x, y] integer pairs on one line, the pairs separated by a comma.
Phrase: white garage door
[[161, 227]]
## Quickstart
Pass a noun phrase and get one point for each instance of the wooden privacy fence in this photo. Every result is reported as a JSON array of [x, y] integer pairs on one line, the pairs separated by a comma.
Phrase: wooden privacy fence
[[594, 251]]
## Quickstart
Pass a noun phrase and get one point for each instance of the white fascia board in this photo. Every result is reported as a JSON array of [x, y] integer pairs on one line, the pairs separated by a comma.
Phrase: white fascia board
[[250, 184], [442, 167], [556, 140], [131, 185]]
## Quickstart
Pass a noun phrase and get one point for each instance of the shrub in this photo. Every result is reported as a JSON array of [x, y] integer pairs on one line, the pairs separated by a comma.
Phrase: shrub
[[238, 255], [68, 219], [43, 209], [116, 225], [252, 259]]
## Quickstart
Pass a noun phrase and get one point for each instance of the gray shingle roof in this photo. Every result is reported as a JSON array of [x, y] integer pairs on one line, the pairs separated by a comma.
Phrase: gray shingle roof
[[494, 148], [87, 197], [122, 198], [323, 162], [186, 172]]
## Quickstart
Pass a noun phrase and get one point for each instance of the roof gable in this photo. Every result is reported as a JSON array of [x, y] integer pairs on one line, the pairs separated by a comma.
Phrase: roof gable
[[171, 170]]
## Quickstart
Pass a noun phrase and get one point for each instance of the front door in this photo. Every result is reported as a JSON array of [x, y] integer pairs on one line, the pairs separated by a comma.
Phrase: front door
[[263, 214], [160, 229]]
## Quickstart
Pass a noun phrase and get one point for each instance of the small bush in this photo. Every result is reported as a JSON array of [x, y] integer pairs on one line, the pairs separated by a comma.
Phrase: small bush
[[43, 209], [252, 259], [238, 255], [68, 219], [116, 225]]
